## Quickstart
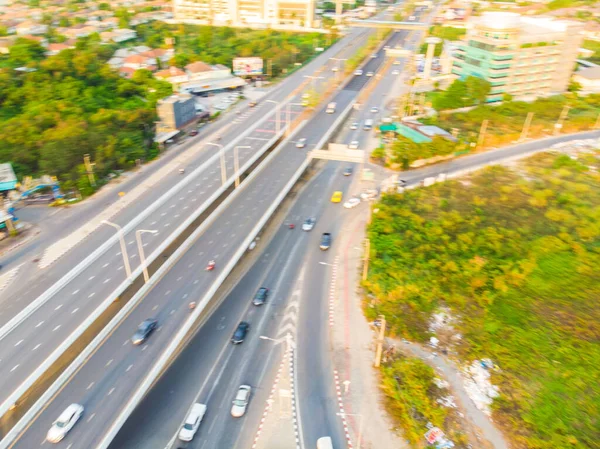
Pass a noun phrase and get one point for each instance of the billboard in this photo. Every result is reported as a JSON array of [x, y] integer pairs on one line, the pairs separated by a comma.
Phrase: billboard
[[247, 66]]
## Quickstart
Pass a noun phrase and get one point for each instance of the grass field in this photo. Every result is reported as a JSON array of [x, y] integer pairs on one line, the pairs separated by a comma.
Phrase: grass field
[[515, 255]]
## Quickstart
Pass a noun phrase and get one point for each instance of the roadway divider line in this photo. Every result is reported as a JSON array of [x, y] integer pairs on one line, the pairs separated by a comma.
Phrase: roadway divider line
[[47, 363], [181, 334], [61, 283], [165, 357], [134, 301]]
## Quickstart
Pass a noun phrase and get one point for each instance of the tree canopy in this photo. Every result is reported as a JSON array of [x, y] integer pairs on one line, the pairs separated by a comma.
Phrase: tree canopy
[[73, 104]]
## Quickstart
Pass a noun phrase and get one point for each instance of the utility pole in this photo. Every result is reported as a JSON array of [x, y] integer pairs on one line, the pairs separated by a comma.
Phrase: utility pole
[[559, 123], [526, 126], [482, 131], [236, 163], [597, 124], [380, 340], [89, 167], [366, 259]]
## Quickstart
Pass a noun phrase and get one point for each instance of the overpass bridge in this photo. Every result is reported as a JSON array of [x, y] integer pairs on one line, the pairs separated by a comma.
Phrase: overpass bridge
[[389, 24]]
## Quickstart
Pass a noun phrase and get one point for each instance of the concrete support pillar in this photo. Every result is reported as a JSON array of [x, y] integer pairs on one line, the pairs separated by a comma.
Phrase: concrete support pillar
[[431, 43]]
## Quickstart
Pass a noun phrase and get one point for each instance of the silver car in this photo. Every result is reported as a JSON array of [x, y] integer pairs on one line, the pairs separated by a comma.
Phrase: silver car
[[241, 401], [65, 422]]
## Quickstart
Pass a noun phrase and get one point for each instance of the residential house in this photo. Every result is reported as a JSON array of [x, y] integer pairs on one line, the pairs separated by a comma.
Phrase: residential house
[[77, 32], [31, 27], [10, 25], [140, 62], [126, 72], [118, 35], [173, 75], [164, 55], [198, 71], [54, 49]]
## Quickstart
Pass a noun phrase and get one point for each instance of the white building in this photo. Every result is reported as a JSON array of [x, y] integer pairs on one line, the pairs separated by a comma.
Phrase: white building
[[252, 13]]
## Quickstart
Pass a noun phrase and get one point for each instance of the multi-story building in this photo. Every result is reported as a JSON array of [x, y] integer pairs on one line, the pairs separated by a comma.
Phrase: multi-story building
[[175, 112], [522, 56], [252, 13]]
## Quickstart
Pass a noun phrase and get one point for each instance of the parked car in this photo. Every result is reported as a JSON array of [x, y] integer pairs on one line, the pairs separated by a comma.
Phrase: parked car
[[65, 422], [240, 332], [143, 331], [241, 401], [351, 203], [325, 241], [261, 296], [308, 224]]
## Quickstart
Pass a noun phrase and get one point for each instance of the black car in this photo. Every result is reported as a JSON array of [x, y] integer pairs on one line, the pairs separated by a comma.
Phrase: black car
[[325, 241], [240, 332], [348, 171], [261, 296], [143, 331]]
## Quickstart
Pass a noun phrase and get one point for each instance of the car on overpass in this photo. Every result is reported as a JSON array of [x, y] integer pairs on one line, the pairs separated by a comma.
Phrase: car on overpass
[[301, 143], [65, 422], [143, 331]]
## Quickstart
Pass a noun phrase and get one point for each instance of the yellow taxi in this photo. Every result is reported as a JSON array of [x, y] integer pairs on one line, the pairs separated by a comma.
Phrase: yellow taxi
[[336, 197]]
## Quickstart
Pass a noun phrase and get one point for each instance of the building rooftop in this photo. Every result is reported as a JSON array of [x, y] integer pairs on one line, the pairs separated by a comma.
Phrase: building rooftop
[[591, 73], [198, 67]]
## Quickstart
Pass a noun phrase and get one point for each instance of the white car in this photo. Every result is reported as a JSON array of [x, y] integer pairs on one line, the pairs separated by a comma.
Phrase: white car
[[241, 401], [369, 74], [374, 110], [308, 224], [301, 143], [358, 72], [335, 69], [354, 125], [374, 55], [64, 423], [351, 203], [192, 422], [353, 145], [395, 72], [396, 62]]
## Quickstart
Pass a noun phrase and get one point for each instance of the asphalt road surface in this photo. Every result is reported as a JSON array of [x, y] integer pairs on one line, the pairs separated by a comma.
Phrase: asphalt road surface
[[23, 349], [116, 369]]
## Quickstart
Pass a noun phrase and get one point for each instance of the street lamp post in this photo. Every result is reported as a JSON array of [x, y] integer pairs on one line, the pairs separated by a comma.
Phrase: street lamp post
[[123, 246], [138, 237], [236, 163], [277, 115], [360, 426], [289, 117], [338, 65], [312, 80], [222, 153]]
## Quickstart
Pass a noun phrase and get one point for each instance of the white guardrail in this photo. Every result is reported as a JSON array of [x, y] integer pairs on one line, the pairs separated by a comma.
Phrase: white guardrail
[[33, 377], [133, 302], [61, 283], [180, 336]]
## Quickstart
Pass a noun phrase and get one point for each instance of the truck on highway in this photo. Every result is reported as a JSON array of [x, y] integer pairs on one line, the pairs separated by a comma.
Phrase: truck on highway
[[331, 108]]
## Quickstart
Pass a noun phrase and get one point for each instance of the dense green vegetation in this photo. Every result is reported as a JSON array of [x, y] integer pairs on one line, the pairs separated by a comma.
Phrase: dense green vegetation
[[412, 399], [505, 124], [514, 255], [73, 104], [472, 91], [595, 46], [219, 45]]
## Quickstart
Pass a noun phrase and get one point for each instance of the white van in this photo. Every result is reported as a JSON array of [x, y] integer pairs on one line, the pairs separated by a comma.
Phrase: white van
[[368, 125], [192, 422], [324, 443]]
